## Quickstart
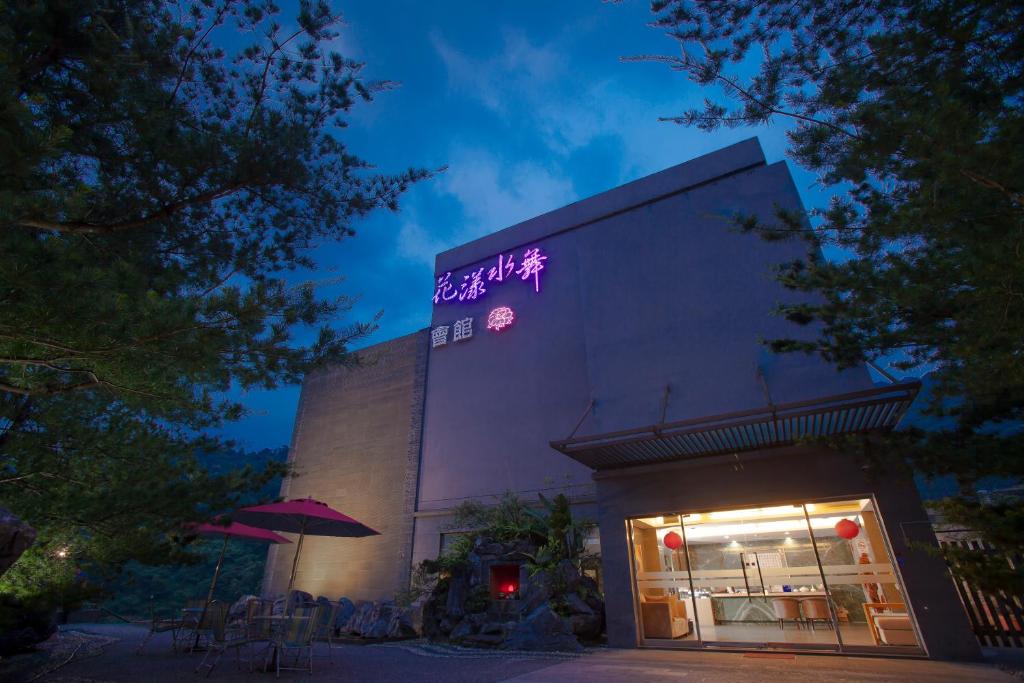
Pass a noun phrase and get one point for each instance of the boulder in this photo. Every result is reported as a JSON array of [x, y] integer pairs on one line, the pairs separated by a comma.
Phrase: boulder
[[462, 629], [15, 537], [346, 608], [237, 611], [538, 591], [586, 626], [577, 605], [360, 618], [542, 630], [297, 598], [23, 625], [458, 591], [379, 621], [400, 625], [416, 613]]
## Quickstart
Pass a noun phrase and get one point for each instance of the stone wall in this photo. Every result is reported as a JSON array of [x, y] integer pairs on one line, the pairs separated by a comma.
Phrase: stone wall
[[356, 447]]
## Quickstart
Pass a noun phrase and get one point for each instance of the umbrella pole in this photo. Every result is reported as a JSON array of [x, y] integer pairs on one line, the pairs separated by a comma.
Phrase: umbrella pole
[[295, 561], [209, 594]]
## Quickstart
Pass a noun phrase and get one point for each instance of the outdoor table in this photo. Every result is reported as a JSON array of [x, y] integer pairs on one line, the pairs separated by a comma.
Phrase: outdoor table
[[190, 616], [276, 622]]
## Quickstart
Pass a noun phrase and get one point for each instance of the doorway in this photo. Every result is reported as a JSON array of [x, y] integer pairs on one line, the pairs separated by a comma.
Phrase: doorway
[[814, 575]]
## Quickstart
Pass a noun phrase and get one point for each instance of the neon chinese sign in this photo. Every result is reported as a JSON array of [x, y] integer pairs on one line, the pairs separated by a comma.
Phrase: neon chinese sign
[[500, 318], [475, 284], [462, 330]]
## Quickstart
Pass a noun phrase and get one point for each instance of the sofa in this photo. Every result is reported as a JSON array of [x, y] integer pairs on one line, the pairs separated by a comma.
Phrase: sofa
[[663, 616], [895, 629]]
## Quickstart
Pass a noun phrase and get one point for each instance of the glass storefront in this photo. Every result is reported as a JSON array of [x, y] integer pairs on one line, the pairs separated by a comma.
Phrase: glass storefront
[[804, 576]]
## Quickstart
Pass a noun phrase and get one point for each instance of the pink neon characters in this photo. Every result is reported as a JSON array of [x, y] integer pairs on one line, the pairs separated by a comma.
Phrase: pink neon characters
[[500, 318], [533, 263], [474, 284]]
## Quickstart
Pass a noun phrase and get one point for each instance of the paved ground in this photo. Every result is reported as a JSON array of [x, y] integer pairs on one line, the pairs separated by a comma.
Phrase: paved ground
[[107, 654]]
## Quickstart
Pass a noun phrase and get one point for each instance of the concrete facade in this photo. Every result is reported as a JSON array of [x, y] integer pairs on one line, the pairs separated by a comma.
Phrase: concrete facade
[[356, 447], [650, 308], [646, 286]]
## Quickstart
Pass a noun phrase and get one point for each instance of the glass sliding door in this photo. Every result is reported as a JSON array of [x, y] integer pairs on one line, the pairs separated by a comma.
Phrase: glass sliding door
[[863, 587], [801, 576], [752, 571], [664, 599]]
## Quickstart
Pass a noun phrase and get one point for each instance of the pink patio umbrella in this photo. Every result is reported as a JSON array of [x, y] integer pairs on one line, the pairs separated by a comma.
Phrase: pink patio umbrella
[[303, 516], [233, 530]]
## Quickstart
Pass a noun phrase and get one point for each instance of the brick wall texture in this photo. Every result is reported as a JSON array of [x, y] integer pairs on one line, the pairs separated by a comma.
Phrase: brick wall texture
[[356, 447]]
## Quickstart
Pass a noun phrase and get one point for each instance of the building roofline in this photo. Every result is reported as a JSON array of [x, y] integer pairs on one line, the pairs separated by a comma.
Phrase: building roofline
[[683, 177]]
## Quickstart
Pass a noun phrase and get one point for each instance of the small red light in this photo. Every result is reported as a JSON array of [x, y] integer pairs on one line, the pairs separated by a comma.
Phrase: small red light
[[511, 588]]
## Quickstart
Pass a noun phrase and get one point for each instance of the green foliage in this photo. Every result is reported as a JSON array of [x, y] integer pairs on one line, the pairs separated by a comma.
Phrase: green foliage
[[141, 590], [550, 527], [166, 169], [129, 565], [456, 554], [477, 600], [914, 109]]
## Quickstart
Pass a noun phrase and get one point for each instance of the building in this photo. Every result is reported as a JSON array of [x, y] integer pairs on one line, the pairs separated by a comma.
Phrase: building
[[612, 350]]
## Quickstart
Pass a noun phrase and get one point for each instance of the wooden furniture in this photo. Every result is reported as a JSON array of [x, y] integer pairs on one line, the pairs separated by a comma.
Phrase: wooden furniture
[[874, 610], [787, 608], [663, 617], [816, 609]]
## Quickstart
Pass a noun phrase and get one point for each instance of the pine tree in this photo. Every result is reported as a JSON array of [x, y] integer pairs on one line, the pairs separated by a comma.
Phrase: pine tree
[[912, 112], [165, 168]]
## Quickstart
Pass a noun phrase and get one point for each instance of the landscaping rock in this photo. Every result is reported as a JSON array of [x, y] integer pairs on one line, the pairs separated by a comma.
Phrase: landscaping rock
[[463, 629], [400, 625], [15, 537], [586, 626], [577, 605], [238, 610], [346, 608], [458, 591], [380, 620], [542, 630], [538, 591], [416, 614], [360, 618]]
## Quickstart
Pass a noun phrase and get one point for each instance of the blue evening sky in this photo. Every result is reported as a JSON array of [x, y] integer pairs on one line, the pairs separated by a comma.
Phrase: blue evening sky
[[530, 108]]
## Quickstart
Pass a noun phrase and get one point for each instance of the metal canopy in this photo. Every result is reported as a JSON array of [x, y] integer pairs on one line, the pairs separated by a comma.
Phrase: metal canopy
[[778, 425]]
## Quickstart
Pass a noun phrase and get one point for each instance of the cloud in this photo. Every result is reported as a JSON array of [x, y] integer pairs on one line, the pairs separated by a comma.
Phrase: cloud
[[538, 88], [490, 195], [520, 67]]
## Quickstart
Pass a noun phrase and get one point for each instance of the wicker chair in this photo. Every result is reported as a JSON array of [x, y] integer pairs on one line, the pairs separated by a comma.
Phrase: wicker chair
[[174, 625], [325, 629], [223, 639], [297, 636]]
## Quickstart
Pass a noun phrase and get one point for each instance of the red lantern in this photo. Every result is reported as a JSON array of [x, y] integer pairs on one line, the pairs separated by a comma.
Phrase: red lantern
[[673, 541], [846, 528]]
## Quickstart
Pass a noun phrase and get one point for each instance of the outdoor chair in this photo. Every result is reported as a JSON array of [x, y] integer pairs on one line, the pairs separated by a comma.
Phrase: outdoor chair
[[202, 628], [223, 639], [174, 624], [296, 637], [325, 629]]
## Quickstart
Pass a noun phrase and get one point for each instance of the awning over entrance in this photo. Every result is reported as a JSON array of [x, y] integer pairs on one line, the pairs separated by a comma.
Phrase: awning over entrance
[[779, 425]]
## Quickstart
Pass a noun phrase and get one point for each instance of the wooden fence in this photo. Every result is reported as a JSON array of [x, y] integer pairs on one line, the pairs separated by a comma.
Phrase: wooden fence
[[997, 618]]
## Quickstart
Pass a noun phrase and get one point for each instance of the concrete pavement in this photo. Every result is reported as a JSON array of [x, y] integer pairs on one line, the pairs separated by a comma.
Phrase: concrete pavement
[[110, 657]]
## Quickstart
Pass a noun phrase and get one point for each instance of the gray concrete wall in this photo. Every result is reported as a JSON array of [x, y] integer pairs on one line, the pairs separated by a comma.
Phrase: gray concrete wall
[[356, 447], [646, 286], [778, 477]]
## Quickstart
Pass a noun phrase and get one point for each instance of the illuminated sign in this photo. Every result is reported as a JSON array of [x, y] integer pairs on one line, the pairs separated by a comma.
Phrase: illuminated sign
[[500, 318], [462, 330], [475, 284]]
